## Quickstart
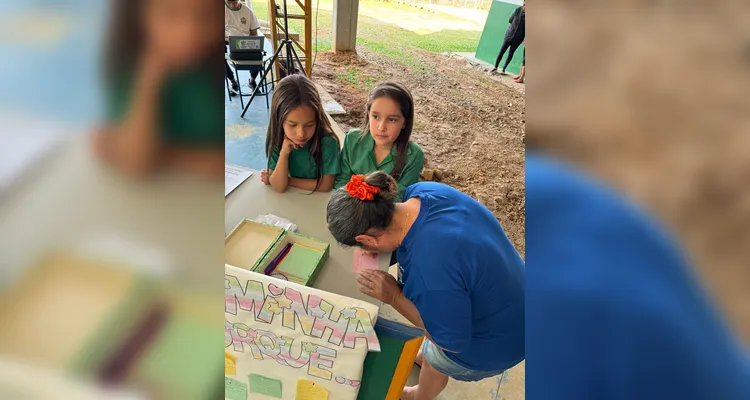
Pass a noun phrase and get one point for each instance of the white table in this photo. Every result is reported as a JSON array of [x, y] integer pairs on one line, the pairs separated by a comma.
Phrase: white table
[[308, 211]]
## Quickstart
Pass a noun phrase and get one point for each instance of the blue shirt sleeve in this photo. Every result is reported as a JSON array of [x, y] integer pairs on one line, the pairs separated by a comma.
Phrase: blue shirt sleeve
[[613, 309], [446, 315]]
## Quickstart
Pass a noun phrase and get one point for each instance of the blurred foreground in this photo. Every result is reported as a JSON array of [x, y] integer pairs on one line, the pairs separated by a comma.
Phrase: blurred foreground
[[105, 281], [651, 98], [108, 279]]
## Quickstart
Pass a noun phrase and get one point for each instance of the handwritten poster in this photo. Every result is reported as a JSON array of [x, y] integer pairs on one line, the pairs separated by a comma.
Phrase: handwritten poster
[[281, 331]]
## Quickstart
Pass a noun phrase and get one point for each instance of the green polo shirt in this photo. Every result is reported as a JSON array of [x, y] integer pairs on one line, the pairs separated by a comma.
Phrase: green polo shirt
[[358, 157], [302, 165], [191, 110]]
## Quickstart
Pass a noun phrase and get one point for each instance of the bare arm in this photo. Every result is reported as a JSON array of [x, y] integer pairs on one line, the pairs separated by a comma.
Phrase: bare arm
[[406, 308], [326, 184], [204, 162], [279, 177], [134, 144], [384, 287]]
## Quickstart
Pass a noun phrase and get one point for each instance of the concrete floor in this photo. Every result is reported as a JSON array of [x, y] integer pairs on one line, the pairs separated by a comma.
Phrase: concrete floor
[[245, 137], [506, 79]]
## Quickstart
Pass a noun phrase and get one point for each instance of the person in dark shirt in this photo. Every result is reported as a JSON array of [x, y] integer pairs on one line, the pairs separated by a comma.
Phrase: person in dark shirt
[[514, 36]]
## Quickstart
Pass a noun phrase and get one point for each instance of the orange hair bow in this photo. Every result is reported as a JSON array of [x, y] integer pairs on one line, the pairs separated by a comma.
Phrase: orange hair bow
[[357, 187]]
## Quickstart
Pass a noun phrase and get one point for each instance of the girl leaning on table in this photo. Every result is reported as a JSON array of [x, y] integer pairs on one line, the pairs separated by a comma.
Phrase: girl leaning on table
[[163, 109], [302, 150]]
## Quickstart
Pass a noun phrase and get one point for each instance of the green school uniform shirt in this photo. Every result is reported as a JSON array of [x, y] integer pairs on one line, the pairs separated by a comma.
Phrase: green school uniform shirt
[[302, 165], [358, 157], [191, 108]]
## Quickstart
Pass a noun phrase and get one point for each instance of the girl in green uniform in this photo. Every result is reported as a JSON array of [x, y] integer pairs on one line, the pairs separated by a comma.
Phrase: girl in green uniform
[[302, 150], [162, 100], [383, 143]]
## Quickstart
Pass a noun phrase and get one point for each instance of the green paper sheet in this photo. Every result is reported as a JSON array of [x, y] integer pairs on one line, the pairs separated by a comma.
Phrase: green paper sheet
[[234, 389], [300, 262], [266, 386], [182, 357]]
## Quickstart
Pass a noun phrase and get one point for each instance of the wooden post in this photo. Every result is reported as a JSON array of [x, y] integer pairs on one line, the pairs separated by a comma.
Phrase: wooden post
[[274, 32], [345, 25], [276, 24], [308, 38]]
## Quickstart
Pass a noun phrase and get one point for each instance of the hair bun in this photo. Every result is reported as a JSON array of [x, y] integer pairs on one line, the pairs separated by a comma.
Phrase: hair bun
[[384, 182]]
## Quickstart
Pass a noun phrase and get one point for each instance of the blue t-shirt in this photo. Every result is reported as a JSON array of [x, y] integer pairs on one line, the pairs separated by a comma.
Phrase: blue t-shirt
[[613, 310], [465, 277]]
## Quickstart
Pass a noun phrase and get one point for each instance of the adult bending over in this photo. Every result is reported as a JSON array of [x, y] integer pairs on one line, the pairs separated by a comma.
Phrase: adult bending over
[[460, 278]]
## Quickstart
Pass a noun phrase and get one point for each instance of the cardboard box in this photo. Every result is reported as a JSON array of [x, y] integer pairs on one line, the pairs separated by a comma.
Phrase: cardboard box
[[311, 271], [253, 246], [249, 242], [70, 312]]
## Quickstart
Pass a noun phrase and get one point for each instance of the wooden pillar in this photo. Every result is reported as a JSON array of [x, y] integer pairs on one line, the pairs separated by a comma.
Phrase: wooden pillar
[[345, 25]]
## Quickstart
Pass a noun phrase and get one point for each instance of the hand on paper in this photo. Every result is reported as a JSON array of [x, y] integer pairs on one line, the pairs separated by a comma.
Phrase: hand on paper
[[380, 285], [265, 177]]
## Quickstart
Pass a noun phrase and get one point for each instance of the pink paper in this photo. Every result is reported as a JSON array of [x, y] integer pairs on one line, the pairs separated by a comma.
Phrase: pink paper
[[363, 261]]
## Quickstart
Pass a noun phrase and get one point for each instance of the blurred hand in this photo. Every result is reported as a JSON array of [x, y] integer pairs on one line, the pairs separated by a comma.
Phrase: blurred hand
[[158, 64], [265, 177]]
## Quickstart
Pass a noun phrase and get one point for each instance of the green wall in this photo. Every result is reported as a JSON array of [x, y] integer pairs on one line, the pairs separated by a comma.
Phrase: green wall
[[494, 32]]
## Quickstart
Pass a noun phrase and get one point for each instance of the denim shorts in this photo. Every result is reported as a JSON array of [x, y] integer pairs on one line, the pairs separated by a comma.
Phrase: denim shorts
[[438, 360]]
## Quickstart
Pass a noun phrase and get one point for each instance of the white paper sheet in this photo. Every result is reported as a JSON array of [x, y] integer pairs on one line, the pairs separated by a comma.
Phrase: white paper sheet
[[233, 177], [23, 143]]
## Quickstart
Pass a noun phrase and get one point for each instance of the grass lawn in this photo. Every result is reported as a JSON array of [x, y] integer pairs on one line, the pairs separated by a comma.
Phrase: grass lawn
[[384, 38]]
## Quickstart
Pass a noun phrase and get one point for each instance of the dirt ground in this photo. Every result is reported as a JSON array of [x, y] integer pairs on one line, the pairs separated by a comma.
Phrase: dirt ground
[[470, 127]]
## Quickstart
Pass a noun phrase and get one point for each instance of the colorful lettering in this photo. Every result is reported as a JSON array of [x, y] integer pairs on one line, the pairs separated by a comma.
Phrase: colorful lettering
[[285, 343], [241, 335], [360, 327], [319, 366], [336, 327], [266, 342], [296, 311], [250, 298]]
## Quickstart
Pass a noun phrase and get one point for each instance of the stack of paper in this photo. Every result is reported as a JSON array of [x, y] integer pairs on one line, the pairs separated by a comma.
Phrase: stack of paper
[[233, 177], [23, 143]]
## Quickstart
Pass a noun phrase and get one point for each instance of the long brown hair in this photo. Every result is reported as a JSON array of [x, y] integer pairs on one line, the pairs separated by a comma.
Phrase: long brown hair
[[126, 42], [125, 39], [292, 92], [401, 95]]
